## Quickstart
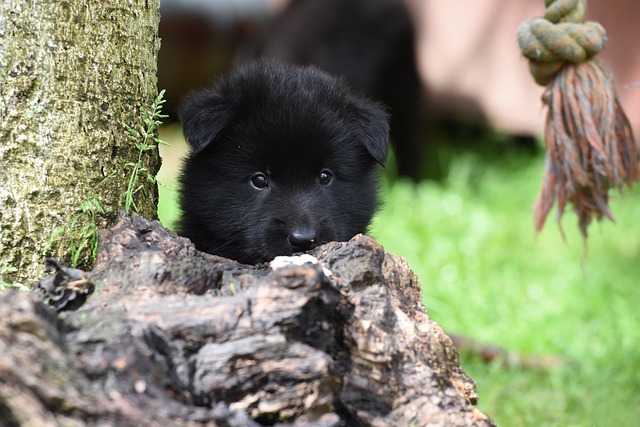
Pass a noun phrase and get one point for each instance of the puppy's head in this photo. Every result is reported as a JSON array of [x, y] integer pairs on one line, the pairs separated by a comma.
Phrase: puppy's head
[[283, 159]]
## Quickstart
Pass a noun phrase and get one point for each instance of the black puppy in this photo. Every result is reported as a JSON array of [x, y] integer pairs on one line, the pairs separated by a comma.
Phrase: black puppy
[[371, 43], [283, 159]]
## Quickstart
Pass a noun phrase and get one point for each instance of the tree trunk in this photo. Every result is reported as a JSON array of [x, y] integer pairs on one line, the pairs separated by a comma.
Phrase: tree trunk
[[176, 337], [71, 73]]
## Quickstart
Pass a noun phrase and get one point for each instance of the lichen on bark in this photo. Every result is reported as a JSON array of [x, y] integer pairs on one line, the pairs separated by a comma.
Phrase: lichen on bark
[[71, 73]]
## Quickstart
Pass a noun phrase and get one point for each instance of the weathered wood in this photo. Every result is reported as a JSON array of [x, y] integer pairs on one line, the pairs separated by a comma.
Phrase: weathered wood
[[172, 336]]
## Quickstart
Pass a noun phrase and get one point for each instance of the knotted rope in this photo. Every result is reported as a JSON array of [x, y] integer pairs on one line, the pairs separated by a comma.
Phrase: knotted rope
[[590, 145]]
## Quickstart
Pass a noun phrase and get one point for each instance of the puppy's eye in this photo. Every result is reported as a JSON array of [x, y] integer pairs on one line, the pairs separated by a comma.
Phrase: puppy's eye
[[326, 177], [259, 181]]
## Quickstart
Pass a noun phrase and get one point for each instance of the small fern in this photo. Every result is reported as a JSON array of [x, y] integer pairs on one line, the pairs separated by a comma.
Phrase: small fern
[[145, 139], [82, 230]]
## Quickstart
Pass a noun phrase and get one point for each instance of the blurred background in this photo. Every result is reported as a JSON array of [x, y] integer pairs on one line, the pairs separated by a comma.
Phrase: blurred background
[[549, 328]]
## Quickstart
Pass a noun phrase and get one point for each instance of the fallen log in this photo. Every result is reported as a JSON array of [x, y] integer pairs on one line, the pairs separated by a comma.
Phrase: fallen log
[[174, 337]]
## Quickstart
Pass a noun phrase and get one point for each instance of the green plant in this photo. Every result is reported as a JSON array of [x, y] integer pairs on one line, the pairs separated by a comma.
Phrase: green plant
[[82, 230], [10, 285], [85, 238], [145, 139]]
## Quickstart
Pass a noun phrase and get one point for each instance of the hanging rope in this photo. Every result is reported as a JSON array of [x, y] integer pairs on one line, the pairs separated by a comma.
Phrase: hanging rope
[[590, 145]]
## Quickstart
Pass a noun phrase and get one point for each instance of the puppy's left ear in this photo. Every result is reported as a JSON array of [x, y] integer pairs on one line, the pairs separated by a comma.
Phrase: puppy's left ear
[[372, 125]]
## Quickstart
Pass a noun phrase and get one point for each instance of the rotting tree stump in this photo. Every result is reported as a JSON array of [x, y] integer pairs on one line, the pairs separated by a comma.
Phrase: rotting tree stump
[[175, 337]]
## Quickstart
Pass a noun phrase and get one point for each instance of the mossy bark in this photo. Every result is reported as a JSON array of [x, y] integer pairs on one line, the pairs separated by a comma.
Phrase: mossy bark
[[71, 73]]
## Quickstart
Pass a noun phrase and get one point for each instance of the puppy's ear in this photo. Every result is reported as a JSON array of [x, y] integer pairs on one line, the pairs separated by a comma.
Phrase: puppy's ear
[[204, 116], [372, 126]]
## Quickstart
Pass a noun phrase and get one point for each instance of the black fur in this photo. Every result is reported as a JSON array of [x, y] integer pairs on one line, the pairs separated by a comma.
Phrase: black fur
[[371, 44], [283, 159]]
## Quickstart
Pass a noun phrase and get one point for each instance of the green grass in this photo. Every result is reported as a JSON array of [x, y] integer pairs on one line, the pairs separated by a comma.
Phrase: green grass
[[487, 276]]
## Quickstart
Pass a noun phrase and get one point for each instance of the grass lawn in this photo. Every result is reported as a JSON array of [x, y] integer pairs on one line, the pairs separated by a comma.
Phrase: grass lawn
[[487, 276]]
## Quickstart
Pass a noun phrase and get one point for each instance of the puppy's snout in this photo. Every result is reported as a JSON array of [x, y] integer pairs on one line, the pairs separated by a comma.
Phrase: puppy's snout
[[303, 239]]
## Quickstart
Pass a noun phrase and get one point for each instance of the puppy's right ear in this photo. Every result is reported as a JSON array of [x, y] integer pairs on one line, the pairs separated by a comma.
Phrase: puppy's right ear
[[204, 116], [372, 126]]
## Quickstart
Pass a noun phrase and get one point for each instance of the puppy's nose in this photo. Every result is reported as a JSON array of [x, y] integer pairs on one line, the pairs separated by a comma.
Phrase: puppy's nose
[[302, 239]]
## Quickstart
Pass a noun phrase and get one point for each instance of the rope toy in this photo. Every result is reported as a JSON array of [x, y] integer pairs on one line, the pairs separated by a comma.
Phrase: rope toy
[[590, 144]]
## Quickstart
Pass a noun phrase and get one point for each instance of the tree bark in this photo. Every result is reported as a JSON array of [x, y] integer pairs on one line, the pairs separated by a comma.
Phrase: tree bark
[[173, 336], [71, 73]]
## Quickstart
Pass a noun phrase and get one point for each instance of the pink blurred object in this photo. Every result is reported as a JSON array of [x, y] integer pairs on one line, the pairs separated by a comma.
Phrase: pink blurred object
[[469, 59]]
